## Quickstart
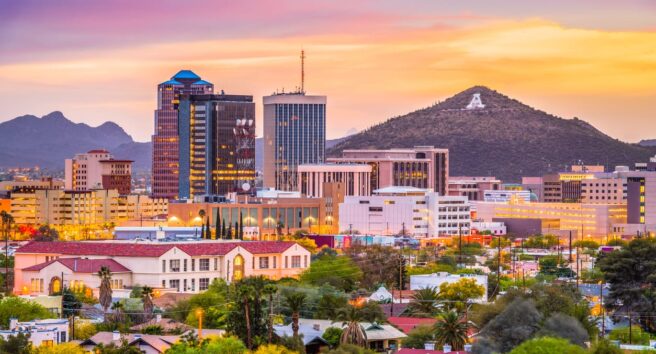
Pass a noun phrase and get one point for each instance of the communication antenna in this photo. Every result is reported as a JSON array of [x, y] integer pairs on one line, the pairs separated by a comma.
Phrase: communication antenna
[[302, 71]]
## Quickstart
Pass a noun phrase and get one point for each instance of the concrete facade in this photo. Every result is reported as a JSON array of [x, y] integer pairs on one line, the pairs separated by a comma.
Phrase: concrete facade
[[356, 179]]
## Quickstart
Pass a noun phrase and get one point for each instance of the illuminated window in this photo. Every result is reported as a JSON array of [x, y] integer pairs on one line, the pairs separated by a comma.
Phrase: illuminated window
[[238, 268]]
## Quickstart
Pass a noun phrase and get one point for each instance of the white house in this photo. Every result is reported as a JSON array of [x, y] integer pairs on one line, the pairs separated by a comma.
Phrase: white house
[[41, 332]]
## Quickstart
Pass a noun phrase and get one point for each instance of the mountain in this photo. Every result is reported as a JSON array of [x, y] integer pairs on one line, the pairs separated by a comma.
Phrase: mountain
[[259, 150], [505, 138], [647, 142], [30, 141]]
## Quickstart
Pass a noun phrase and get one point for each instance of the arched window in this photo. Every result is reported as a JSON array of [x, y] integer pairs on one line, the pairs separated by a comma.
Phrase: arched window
[[238, 268], [55, 285]]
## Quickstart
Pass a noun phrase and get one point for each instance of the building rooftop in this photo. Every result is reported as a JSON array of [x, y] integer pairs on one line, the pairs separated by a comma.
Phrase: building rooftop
[[80, 265], [171, 82], [185, 74], [125, 249], [202, 82], [400, 190]]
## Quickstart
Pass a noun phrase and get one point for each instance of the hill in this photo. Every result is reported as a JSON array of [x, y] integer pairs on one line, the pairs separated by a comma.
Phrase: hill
[[505, 138], [46, 141]]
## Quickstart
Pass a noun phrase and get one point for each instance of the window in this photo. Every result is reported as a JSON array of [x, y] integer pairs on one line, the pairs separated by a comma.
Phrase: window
[[375, 209], [174, 284], [184, 286], [163, 266], [216, 264], [305, 261], [193, 284], [184, 265], [117, 284], [296, 261], [193, 265], [286, 262], [36, 285], [163, 283], [204, 264], [275, 258], [264, 262], [62, 336], [174, 265], [203, 284]]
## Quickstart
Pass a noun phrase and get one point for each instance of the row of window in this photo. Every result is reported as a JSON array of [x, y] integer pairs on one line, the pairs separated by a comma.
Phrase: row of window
[[203, 265]]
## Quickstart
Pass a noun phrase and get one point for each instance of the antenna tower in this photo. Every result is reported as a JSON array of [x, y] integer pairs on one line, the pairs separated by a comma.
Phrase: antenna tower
[[302, 71]]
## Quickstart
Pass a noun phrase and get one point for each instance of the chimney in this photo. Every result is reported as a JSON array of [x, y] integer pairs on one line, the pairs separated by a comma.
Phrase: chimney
[[116, 336], [158, 318], [316, 327], [13, 322], [446, 348], [429, 345], [137, 336]]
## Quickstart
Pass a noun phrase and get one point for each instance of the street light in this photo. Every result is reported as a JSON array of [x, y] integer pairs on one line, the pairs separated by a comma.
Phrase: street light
[[199, 314]]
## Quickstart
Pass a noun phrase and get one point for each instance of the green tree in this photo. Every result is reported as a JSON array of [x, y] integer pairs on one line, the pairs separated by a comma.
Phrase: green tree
[[381, 264], [295, 302], [372, 312], [62, 348], [46, 234], [457, 294], [105, 291], [123, 348], [245, 311], [547, 345], [147, 299], [604, 346], [631, 273], [84, 330], [634, 336], [21, 309], [424, 303], [332, 335], [70, 303], [418, 336], [340, 272], [350, 349], [270, 290], [589, 244], [519, 321], [329, 305], [451, 329], [118, 308], [217, 228], [18, 344], [211, 301]]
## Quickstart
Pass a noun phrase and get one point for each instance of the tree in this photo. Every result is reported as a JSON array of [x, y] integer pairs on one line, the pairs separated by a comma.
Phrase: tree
[[418, 337], [118, 308], [229, 234], [217, 228], [350, 349], [307, 243], [147, 298], [241, 226], [70, 303], [459, 293], [105, 291], [270, 290], [451, 329], [547, 345], [353, 333], [372, 312], [332, 335], [21, 309], [244, 312], [541, 241], [329, 305], [340, 272], [631, 273], [273, 349], [567, 327], [519, 321], [18, 344], [227, 345], [604, 346], [223, 231], [635, 335], [62, 348], [46, 234], [424, 303], [84, 330], [7, 220], [295, 302], [208, 231], [379, 263]]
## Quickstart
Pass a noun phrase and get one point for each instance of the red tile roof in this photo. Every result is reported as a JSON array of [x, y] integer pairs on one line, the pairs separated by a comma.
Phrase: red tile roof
[[80, 265], [123, 249], [407, 324]]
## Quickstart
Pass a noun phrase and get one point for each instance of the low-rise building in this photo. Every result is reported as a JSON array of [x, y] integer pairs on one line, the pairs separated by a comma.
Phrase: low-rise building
[[97, 169], [356, 178], [46, 267], [493, 228], [506, 195], [41, 332], [407, 211], [472, 187]]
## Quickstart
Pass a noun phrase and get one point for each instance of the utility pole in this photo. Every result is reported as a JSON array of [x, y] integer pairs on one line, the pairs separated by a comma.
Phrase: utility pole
[[460, 245], [499, 262], [570, 247], [601, 309]]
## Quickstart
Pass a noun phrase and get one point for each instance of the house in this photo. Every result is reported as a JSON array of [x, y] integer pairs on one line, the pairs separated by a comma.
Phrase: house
[[407, 324], [168, 325], [41, 332], [42, 268], [380, 337], [147, 343]]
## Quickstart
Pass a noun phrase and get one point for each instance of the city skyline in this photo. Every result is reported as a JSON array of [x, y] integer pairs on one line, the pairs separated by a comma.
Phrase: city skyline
[[94, 64]]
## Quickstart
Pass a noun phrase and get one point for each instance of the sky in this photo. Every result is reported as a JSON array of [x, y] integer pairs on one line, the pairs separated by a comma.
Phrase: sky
[[101, 61]]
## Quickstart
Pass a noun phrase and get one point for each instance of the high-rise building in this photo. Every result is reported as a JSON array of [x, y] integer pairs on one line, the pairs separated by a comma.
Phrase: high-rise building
[[294, 134], [217, 145], [165, 139], [97, 169], [421, 167]]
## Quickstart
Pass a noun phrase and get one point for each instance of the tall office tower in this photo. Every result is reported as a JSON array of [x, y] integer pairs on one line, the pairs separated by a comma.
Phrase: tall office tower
[[166, 140], [217, 145], [294, 134]]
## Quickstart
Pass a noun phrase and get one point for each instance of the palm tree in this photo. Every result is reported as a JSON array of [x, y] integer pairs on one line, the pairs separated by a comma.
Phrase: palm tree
[[270, 290], [246, 295], [105, 292], [353, 333], [147, 298], [295, 302], [118, 307], [451, 329], [424, 303]]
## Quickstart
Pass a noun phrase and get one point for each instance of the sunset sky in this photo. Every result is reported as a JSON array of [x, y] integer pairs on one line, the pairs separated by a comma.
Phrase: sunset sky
[[102, 60]]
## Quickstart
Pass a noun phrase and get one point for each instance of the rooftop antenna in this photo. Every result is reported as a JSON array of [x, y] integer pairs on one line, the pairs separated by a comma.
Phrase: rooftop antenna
[[302, 71]]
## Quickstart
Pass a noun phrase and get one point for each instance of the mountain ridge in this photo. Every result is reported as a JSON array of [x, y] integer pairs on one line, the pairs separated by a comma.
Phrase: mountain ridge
[[505, 138]]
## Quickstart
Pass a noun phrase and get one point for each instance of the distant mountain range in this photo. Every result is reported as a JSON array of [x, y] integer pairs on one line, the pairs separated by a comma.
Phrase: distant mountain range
[[505, 138], [28, 141]]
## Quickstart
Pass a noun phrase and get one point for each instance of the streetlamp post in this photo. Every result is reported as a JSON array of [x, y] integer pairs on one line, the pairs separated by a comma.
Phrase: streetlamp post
[[601, 308], [199, 314]]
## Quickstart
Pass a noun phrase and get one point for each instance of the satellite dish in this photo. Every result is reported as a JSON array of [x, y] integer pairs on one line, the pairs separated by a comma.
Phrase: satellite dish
[[246, 186]]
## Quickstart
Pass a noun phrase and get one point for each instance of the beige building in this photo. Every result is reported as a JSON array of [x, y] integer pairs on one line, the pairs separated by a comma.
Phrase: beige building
[[473, 187], [587, 220], [611, 190], [84, 209], [97, 169], [187, 267], [356, 178]]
